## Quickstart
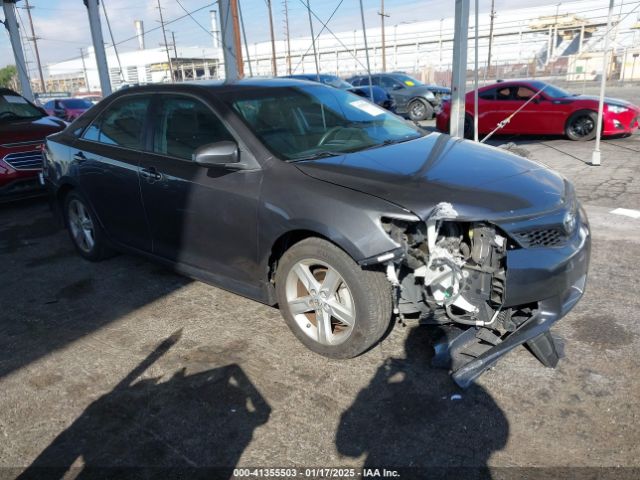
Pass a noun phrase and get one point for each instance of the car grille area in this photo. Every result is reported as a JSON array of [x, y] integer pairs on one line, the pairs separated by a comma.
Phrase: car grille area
[[31, 160], [543, 237]]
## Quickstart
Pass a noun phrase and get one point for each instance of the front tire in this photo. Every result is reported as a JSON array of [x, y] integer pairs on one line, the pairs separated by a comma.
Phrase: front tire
[[420, 110], [85, 231], [332, 305], [581, 126]]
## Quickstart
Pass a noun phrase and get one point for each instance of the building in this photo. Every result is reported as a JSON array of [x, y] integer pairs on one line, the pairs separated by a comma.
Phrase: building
[[141, 66]]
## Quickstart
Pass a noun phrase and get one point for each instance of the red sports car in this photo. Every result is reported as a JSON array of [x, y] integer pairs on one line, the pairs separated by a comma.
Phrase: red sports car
[[553, 111], [67, 108]]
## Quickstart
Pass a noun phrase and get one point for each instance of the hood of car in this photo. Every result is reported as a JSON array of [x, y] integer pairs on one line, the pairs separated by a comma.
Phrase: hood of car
[[611, 101], [480, 182], [419, 90], [29, 129]]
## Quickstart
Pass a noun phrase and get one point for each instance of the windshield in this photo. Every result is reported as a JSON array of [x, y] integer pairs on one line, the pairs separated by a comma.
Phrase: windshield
[[76, 103], [335, 82], [14, 106], [298, 123], [551, 90], [407, 80]]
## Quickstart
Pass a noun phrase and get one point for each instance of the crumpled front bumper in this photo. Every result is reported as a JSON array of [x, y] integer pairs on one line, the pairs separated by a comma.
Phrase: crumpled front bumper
[[555, 278]]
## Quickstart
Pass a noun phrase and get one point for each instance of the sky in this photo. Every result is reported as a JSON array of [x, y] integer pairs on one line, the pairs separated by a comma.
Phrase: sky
[[62, 25]]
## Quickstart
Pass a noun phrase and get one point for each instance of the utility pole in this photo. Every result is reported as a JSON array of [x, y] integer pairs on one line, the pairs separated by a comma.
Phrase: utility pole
[[313, 42], [595, 157], [166, 45], [492, 16], [274, 66], [84, 70], [93, 13], [231, 45], [459, 76], [113, 42], [286, 31], [34, 39], [173, 40], [11, 24], [366, 49], [384, 46]]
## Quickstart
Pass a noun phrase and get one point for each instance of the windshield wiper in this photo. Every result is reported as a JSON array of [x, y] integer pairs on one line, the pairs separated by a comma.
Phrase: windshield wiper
[[317, 155], [387, 142]]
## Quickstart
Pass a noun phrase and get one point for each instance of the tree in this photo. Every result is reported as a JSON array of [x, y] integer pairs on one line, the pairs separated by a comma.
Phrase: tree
[[7, 76]]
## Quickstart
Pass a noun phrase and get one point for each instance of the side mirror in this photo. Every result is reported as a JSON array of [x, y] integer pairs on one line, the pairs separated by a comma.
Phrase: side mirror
[[223, 154], [397, 86]]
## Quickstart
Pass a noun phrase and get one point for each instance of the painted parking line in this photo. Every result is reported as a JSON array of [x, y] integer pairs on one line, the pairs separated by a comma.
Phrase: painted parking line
[[627, 212]]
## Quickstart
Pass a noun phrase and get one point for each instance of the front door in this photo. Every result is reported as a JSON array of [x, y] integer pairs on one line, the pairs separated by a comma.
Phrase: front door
[[107, 157], [204, 217]]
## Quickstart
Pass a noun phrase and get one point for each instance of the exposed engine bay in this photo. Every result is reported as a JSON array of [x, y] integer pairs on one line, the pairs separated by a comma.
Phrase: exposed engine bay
[[451, 271]]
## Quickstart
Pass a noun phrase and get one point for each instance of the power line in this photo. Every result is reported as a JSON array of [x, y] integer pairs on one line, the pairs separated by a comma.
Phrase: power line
[[193, 18], [35, 46], [115, 48], [164, 34]]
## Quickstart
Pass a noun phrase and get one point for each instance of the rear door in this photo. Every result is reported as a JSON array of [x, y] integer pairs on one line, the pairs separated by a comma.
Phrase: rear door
[[107, 157], [202, 217]]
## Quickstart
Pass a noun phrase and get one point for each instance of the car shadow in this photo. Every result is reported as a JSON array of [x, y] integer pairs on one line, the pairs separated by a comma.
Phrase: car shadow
[[189, 426], [412, 417], [51, 297]]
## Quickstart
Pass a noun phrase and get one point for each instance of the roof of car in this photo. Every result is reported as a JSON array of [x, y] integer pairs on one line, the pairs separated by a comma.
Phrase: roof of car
[[8, 91], [219, 85]]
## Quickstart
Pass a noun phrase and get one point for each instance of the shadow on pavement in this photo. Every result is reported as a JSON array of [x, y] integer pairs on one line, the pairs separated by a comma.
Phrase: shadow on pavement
[[151, 429], [50, 296], [410, 416]]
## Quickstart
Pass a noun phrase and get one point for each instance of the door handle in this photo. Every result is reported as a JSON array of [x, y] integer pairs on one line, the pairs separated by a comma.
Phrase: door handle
[[150, 174], [79, 157]]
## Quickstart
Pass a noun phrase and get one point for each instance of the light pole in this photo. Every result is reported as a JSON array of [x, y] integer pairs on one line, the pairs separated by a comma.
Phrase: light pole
[[595, 157]]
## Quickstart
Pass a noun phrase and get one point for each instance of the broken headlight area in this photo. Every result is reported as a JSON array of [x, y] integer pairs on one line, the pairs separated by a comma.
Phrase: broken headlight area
[[454, 273], [451, 272]]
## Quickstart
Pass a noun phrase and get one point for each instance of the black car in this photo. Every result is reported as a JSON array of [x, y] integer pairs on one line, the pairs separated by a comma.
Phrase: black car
[[345, 216], [380, 96], [413, 98]]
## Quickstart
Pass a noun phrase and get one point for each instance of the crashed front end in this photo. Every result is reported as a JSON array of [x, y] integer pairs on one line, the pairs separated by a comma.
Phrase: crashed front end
[[493, 284]]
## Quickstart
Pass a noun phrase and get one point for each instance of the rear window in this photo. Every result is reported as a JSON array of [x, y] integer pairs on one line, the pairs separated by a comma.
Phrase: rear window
[[76, 103]]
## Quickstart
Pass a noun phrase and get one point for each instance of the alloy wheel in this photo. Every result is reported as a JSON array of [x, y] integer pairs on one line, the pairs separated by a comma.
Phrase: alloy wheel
[[81, 226], [418, 110], [582, 126], [320, 302]]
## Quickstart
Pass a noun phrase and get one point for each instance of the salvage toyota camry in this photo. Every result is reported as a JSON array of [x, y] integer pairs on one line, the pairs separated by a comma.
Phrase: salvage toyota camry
[[344, 215]]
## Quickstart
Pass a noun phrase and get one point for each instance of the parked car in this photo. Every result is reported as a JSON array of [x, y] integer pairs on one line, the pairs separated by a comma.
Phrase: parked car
[[380, 96], [23, 127], [553, 111], [67, 108], [94, 99], [413, 98], [311, 198]]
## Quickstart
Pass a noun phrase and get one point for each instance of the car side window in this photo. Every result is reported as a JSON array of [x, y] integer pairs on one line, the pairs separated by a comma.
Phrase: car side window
[[522, 93], [389, 82], [48, 105], [503, 93], [184, 125], [488, 94], [121, 124]]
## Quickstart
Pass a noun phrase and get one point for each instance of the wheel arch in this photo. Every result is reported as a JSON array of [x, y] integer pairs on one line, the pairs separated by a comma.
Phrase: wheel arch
[[289, 238]]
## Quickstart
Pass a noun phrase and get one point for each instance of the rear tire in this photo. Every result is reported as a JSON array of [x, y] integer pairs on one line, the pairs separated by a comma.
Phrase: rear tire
[[84, 229], [468, 126], [581, 126], [332, 305], [420, 109]]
